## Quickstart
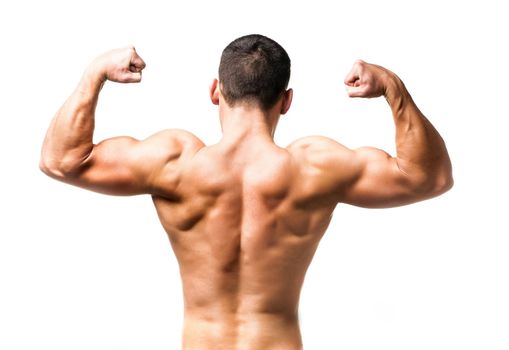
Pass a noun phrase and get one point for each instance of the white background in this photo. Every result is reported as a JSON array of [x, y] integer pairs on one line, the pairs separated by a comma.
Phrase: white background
[[79, 270]]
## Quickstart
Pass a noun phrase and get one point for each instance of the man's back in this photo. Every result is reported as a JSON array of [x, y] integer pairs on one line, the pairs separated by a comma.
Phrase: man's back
[[244, 227]]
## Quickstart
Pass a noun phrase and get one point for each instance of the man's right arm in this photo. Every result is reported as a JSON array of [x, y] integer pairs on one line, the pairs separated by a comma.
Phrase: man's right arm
[[370, 177]]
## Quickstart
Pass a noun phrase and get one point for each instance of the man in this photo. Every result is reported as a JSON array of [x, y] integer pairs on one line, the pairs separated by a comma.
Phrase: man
[[244, 216]]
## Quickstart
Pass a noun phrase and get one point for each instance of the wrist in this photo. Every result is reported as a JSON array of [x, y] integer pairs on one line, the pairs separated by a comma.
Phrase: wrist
[[94, 76], [96, 71], [395, 92]]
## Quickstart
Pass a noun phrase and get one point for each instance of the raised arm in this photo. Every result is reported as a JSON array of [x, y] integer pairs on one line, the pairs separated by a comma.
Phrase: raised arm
[[120, 165], [370, 177]]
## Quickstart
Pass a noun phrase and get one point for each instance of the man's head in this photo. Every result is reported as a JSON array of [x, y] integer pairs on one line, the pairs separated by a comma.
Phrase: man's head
[[255, 70]]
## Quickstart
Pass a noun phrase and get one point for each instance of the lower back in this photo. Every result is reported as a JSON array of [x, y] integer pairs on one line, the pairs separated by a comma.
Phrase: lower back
[[241, 332]]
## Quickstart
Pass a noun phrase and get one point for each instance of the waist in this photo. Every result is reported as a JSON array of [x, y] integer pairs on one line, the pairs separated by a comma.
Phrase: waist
[[205, 329]]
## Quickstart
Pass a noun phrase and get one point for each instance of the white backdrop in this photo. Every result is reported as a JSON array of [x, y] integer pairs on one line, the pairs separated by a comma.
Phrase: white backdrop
[[79, 270]]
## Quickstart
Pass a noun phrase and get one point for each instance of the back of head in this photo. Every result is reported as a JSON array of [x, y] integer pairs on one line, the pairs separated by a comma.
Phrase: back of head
[[254, 69]]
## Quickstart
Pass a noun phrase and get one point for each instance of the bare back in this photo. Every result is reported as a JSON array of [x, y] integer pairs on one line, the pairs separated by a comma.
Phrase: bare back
[[244, 230]]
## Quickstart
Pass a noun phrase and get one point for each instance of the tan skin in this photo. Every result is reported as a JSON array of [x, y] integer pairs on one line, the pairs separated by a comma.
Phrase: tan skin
[[244, 216]]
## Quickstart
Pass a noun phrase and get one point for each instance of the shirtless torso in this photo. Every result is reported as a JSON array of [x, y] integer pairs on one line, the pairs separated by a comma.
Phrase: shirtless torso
[[244, 228], [244, 216]]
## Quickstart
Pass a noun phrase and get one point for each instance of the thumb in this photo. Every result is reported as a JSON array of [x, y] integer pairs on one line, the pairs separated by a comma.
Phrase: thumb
[[355, 91], [132, 77]]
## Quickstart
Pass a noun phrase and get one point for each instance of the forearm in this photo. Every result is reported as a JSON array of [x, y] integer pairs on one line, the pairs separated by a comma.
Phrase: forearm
[[421, 151], [69, 139]]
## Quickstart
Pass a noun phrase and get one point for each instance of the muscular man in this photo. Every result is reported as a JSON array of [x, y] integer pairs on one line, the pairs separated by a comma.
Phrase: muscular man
[[244, 216]]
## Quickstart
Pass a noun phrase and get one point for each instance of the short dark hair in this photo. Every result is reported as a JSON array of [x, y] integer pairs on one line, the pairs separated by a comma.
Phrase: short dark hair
[[255, 69]]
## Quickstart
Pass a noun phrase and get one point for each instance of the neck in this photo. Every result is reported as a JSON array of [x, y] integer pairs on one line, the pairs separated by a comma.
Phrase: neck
[[246, 123]]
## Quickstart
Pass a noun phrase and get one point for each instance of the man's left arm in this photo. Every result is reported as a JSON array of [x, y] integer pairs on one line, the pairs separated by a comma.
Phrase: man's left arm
[[118, 166]]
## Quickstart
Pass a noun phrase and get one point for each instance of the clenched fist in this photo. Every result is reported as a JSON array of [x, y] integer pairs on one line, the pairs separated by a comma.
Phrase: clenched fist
[[367, 80], [119, 65]]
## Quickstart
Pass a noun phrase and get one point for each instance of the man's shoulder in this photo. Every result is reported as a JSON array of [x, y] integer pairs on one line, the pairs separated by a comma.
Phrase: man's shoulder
[[324, 155], [325, 165], [177, 139], [315, 145], [179, 135]]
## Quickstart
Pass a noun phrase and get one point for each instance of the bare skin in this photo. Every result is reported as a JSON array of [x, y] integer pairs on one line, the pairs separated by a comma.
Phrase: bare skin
[[244, 216]]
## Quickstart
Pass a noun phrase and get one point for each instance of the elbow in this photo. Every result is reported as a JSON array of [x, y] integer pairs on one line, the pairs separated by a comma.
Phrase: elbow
[[443, 183], [444, 180], [51, 168], [429, 186], [57, 169], [44, 166]]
